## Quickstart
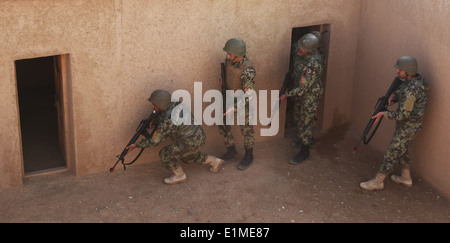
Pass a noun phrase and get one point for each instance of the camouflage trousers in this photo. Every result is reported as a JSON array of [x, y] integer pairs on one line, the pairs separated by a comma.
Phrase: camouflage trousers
[[397, 151], [185, 150], [246, 130], [305, 108]]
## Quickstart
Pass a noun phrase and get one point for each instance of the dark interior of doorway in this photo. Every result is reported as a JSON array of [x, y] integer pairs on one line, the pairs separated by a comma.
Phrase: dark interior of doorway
[[38, 114], [296, 34]]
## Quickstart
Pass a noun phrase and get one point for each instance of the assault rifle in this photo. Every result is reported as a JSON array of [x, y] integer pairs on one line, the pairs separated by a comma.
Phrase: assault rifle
[[381, 105], [287, 79], [140, 130]]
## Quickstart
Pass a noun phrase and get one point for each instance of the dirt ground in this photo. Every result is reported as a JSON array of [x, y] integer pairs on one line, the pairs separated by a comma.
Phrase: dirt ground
[[324, 189]]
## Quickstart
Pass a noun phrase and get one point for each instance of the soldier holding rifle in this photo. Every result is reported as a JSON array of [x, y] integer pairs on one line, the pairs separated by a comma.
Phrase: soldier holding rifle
[[240, 75], [412, 99], [187, 140], [308, 89]]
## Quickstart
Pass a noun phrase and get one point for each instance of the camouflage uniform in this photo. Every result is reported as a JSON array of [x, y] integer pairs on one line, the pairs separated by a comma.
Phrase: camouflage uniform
[[188, 139], [247, 83], [307, 90], [412, 100]]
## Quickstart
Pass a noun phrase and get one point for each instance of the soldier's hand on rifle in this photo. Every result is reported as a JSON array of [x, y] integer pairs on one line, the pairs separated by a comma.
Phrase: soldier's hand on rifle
[[377, 117], [228, 111], [392, 99], [283, 98], [131, 147], [152, 126]]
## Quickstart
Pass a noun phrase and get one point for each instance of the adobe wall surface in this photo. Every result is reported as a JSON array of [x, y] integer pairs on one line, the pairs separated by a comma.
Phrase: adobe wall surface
[[387, 31], [120, 51]]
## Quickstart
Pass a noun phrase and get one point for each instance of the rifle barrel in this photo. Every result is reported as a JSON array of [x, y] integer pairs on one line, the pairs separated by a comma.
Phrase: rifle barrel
[[141, 130]]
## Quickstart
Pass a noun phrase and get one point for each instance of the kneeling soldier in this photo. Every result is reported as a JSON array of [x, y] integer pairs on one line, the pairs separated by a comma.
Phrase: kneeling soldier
[[187, 139]]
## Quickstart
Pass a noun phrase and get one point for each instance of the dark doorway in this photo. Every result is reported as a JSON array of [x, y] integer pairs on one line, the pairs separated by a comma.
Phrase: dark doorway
[[37, 81], [297, 33]]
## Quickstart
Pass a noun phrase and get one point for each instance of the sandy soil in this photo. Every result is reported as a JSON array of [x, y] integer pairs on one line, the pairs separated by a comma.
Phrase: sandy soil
[[324, 189]]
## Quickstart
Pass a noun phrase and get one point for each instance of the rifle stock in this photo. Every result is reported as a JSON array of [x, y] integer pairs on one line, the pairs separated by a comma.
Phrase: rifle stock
[[140, 130], [381, 105]]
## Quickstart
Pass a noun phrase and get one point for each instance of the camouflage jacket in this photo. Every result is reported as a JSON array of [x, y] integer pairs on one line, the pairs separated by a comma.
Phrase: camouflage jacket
[[247, 78], [165, 127], [307, 74], [412, 100]]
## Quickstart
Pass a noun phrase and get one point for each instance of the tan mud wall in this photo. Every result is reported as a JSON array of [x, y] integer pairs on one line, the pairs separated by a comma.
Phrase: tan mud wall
[[388, 30], [120, 51]]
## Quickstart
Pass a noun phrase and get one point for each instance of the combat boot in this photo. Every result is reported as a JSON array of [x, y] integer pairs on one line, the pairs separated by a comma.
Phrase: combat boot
[[231, 155], [404, 179], [215, 163], [298, 144], [377, 183], [178, 177], [247, 160], [302, 156]]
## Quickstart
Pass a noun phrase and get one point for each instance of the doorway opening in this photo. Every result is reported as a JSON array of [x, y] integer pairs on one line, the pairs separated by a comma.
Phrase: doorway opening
[[324, 39], [41, 110]]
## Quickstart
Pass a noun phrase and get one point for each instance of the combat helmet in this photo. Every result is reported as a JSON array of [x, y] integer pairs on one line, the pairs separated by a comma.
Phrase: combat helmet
[[308, 42], [161, 98], [235, 46], [316, 34], [407, 64]]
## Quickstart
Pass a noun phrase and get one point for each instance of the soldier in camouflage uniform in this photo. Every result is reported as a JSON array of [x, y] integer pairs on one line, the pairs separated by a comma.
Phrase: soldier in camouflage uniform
[[240, 75], [412, 99], [187, 139], [307, 90]]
